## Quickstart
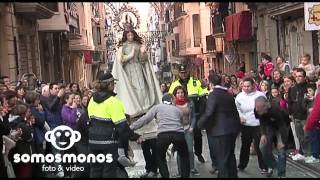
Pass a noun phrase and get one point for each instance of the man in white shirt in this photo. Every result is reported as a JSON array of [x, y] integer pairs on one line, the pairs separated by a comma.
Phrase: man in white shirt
[[250, 125]]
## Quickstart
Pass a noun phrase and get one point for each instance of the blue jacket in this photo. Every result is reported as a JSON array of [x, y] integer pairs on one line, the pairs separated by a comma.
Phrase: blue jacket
[[52, 107], [39, 130]]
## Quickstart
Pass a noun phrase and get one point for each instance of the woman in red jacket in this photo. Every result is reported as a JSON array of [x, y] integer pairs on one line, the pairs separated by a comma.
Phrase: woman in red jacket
[[313, 127]]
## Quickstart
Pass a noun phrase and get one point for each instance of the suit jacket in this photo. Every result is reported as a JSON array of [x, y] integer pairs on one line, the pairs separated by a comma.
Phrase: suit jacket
[[221, 116]]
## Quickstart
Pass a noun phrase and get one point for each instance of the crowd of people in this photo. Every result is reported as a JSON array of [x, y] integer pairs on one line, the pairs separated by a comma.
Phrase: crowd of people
[[26, 115], [275, 103]]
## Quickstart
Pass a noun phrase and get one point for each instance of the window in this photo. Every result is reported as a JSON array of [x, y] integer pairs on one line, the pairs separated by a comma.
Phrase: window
[[173, 45], [196, 30], [99, 35]]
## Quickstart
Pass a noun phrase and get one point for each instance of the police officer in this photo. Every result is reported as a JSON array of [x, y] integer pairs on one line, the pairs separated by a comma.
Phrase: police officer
[[109, 129], [198, 96]]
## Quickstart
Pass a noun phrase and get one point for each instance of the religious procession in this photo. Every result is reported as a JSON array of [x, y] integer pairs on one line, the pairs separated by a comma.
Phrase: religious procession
[[160, 90]]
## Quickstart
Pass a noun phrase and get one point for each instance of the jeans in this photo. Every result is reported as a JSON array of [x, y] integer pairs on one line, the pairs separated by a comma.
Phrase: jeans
[[315, 143], [211, 150], [247, 134], [266, 150], [189, 139], [179, 142], [303, 138], [149, 149], [224, 147]]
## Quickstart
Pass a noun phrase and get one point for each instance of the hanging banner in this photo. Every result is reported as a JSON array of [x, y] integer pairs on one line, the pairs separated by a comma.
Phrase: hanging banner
[[312, 16]]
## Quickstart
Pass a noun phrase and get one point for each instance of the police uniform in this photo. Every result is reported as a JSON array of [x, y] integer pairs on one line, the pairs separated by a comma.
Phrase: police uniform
[[198, 95], [108, 130]]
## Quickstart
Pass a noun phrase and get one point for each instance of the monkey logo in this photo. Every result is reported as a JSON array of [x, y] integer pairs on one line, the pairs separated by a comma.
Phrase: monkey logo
[[62, 137]]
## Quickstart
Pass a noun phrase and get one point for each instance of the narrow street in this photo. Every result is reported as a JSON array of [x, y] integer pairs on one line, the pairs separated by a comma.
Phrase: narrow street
[[293, 171]]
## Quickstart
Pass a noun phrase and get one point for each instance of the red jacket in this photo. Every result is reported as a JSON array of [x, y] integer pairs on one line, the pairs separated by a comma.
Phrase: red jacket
[[268, 68], [314, 116]]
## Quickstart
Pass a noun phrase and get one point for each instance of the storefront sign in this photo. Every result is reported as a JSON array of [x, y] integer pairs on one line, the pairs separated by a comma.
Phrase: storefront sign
[[312, 16]]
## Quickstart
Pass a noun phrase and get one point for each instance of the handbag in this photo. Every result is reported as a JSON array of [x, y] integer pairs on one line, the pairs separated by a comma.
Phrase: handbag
[[8, 144], [10, 171]]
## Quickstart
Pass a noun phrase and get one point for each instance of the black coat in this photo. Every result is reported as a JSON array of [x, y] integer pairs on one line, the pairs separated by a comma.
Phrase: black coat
[[221, 116], [275, 119], [4, 129], [295, 101]]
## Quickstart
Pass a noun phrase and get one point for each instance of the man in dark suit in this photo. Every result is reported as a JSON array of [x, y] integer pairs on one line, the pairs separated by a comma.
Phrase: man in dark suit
[[222, 123]]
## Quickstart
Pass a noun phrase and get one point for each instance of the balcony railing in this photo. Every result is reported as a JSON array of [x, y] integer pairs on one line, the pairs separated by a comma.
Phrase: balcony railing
[[33, 10], [53, 6]]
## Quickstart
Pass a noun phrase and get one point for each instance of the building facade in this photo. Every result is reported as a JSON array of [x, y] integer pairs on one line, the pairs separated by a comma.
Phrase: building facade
[[62, 41]]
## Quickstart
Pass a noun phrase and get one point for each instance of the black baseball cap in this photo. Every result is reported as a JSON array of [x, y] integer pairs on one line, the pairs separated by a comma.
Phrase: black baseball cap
[[107, 77]]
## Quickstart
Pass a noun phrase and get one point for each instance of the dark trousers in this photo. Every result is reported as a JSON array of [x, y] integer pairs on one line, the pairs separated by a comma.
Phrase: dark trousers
[[107, 170], [224, 153], [315, 143], [37, 167], [3, 168], [247, 134], [82, 148], [149, 149], [180, 144], [211, 152], [197, 137], [66, 165]]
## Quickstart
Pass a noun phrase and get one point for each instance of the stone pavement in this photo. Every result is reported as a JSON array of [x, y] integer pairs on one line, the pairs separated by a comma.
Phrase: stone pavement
[[252, 171]]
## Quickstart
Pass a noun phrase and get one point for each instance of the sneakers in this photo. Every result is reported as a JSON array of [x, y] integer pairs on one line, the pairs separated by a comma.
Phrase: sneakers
[[311, 159], [263, 171], [144, 175], [298, 157], [201, 159], [195, 172], [269, 172], [177, 175], [60, 174], [293, 153], [152, 175], [213, 170], [124, 161]]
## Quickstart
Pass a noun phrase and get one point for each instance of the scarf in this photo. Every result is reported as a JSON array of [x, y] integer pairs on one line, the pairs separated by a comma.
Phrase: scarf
[[181, 101]]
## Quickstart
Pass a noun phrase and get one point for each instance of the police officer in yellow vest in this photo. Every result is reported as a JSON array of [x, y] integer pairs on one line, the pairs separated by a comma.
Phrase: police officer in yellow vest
[[198, 95], [109, 129]]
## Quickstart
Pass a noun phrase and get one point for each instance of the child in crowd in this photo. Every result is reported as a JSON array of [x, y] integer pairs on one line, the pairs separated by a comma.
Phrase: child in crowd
[[307, 65]]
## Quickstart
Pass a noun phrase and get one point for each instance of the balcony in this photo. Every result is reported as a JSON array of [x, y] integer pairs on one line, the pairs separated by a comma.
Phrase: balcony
[[74, 33], [52, 6], [210, 43], [33, 11]]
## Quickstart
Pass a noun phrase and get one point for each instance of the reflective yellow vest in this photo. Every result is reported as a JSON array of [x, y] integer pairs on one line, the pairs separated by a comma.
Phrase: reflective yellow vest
[[193, 87], [111, 109]]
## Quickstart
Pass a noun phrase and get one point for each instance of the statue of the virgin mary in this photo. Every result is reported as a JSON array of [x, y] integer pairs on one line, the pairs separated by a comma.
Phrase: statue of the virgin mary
[[138, 87]]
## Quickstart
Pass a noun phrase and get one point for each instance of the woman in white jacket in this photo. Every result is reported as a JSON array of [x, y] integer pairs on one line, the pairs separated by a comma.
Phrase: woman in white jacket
[[250, 128]]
